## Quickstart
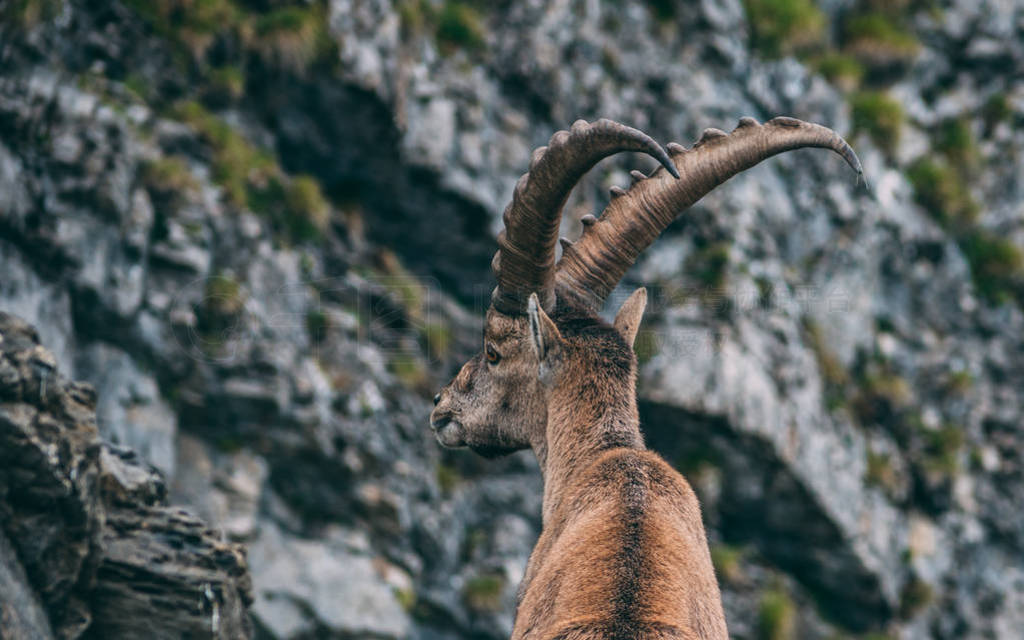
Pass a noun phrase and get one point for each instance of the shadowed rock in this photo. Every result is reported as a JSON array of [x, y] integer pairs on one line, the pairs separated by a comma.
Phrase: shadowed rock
[[88, 546]]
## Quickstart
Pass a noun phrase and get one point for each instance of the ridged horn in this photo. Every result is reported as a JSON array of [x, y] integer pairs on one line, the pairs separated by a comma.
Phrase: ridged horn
[[525, 261], [631, 222]]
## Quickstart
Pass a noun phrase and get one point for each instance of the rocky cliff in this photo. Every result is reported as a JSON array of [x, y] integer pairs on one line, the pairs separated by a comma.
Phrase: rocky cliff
[[262, 230], [89, 547]]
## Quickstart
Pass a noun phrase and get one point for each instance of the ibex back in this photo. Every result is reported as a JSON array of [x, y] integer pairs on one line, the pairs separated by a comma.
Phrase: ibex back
[[622, 553]]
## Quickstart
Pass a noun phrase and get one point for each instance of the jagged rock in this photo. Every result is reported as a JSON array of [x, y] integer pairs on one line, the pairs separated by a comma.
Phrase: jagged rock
[[88, 544]]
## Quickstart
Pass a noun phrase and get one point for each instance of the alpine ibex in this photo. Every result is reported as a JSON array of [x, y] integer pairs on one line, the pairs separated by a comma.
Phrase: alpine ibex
[[622, 553]]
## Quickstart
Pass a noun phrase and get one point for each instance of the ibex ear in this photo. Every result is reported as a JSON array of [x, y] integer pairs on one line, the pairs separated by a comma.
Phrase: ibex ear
[[544, 335], [627, 320]]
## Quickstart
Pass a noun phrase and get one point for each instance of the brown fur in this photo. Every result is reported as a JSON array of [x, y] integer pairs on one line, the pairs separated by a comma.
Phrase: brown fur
[[623, 552]]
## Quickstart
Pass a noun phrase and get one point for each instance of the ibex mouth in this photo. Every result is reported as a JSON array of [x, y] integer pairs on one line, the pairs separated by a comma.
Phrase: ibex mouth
[[447, 431]]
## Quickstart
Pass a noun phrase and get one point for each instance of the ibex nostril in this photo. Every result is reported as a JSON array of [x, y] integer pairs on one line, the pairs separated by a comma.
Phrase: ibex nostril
[[439, 423], [437, 398]]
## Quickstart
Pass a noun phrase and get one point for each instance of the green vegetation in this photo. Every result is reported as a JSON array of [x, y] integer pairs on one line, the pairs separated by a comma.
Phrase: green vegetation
[[842, 70], [438, 339], [997, 109], [411, 372], [307, 212], [292, 37], [223, 296], [412, 14], [955, 140], [28, 13], [892, 388], [251, 178], [139, 86], [943, 193], [222, 303], [727, 561], [833, 372], [879, 116], [225, 84], [765, 292], [645, 346], [169, 180], [406, 598], [317, 324], [781, 27], [662, 10], [879, 38], [880, 472], [776, 616], [941, 188], [237, 165], [942, 449], [960, 382], [709, 264], [403, 287], [916, 595], [459, 25], [483, 593], [448, 478], [882, 395], [191, 26], [229, 444], [997, 265]]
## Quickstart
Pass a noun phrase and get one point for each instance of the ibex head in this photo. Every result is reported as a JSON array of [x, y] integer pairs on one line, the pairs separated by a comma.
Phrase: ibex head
[[543, 321]]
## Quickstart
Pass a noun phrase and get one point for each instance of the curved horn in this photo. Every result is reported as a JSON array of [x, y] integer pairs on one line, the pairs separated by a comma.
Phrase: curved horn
[[525, 261], [591, 267]]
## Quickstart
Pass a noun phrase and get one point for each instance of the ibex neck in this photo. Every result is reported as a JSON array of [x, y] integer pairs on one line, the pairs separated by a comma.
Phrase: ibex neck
[[583, 421]]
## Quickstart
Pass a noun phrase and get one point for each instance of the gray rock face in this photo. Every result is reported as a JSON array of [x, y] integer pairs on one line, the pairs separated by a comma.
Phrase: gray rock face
[[89, 547], [827, 366]]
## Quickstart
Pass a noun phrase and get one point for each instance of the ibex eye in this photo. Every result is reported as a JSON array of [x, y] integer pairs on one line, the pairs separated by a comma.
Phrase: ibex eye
[[492, 355]]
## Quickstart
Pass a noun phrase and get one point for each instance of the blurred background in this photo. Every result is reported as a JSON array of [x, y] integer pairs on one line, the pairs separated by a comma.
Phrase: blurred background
[[262, 230]]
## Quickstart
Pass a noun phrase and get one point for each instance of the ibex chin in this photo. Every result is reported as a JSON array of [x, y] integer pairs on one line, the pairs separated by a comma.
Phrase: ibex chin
[[622, 553]]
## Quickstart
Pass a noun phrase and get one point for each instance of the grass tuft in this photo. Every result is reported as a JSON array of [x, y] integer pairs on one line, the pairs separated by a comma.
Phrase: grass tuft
[[662, 10], [727, 561], [169, 180], [783, 27], [447, 478], [879, 116], [943, 193], [483, 593], [292, 37], [776, 616], [879, 39], [307, 213], [459, 26], [842, 70], [997, 265], [237, 165], [916, 595]]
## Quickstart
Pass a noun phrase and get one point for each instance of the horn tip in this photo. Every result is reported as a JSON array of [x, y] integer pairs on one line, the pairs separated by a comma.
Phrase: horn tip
[[671, 168]]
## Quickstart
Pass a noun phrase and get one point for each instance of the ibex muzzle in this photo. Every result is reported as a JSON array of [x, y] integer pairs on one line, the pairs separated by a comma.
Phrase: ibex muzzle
[[622, 553]]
